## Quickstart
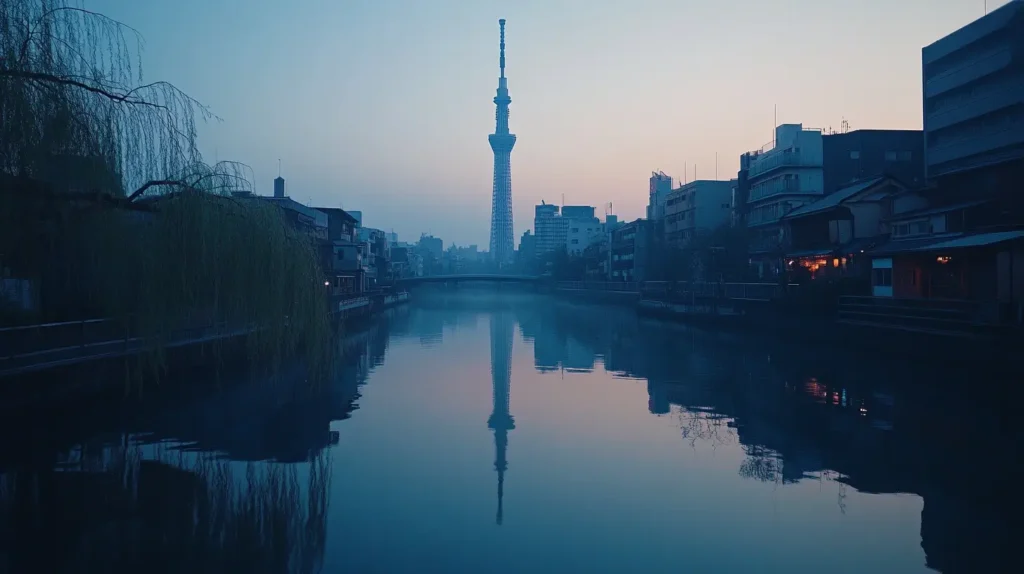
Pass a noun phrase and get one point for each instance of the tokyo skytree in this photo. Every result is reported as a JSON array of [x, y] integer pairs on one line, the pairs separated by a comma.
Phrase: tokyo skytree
[[502, 245]]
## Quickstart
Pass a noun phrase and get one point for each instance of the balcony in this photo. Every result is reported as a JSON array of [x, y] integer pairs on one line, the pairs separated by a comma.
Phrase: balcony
[[784, 158]]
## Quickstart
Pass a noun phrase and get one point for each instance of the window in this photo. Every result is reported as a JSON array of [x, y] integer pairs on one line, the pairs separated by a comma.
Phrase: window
[[855, 154], [882, 277], [341, 255], [575, 229], [904, 156], [920, 227], [890, 156], [575, 241]]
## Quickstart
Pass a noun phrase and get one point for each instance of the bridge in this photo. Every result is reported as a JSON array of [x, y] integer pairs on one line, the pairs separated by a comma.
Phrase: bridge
[[475, 277]]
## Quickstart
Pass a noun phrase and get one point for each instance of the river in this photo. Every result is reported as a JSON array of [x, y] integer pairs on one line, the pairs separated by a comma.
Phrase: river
[[476, 431]]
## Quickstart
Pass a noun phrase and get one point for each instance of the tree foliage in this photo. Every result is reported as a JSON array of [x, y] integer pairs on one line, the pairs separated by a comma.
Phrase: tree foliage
[[71, 83], [77, 115], [708, 256]]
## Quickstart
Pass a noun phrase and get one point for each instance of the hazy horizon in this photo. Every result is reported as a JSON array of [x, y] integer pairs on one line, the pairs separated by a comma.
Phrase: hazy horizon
[[385, 107]]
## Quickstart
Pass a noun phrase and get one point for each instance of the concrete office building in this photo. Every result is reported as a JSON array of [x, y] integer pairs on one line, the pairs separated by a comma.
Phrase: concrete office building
[[783, 175], [863, 154], [550, 229], [973, 101], [697, 207]]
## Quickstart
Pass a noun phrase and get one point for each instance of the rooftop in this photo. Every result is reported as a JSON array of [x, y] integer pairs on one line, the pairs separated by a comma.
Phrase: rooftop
[[833, 200]]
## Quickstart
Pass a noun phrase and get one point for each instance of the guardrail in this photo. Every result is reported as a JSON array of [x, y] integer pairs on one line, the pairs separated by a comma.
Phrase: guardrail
[[36, 347], [627, 286], [686, 289]]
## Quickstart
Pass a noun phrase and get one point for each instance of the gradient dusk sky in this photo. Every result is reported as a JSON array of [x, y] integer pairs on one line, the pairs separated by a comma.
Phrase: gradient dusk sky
[[384, 106]]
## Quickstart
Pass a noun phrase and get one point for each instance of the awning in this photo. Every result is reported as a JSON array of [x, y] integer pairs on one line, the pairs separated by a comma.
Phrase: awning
[[925, 244], [979, 240]]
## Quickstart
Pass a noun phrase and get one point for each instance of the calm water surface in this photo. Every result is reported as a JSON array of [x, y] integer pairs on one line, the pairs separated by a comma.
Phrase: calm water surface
[[502, 432]]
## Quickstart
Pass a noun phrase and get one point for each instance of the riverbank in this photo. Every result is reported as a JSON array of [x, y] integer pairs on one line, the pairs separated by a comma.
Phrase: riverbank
[[88, 358], [817, 324]]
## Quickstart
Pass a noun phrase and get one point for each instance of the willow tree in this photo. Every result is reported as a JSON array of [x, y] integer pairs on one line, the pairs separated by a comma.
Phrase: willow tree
[[77, 114]]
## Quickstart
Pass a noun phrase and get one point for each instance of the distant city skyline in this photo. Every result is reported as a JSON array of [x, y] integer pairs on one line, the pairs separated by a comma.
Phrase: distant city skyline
[[380, 107]]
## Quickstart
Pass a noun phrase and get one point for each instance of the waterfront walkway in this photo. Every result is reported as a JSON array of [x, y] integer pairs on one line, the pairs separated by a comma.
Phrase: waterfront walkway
[[40, 347], [45, 346]]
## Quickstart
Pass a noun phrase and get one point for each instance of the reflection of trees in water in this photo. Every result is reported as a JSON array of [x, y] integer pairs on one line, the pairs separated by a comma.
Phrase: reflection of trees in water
[[706, 427], [124, 509], [762, 463]]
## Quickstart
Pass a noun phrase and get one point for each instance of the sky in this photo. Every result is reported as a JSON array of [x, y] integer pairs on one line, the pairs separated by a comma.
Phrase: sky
[[384, 106]]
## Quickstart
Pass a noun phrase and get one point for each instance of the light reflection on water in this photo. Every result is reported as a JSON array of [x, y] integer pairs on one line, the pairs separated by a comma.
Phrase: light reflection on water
[[476, 432]]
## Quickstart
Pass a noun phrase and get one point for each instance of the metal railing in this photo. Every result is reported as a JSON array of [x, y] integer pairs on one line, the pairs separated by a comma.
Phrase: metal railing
[[676, 289], [689, 290], [770, 161], [34, 347], [620, 286]]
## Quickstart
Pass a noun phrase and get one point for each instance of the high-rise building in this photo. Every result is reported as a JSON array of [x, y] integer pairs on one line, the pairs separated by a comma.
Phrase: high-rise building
[[973, 92], [502, 142], [550, 229], [660, 187]]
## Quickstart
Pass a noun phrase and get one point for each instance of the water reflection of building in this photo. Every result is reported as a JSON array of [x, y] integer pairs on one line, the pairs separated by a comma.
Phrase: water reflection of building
[[806, 413], [501, 421]]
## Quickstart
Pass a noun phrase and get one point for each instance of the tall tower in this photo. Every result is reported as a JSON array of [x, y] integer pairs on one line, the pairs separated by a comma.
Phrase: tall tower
[[501, 421], [502, 246]]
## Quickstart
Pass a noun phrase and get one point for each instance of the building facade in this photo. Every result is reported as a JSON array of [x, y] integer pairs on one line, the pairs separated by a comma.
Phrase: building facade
[[694, 208], [630, 251], [659, 188], [781, 176], [973, 100], [550, 229], [583, 228], [861, 154]]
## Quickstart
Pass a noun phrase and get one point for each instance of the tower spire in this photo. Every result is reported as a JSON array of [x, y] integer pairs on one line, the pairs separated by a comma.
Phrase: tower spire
[[501, 60]]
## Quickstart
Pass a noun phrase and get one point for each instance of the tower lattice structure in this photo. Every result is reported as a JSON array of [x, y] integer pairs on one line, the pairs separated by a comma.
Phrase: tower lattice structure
[[502, 245]]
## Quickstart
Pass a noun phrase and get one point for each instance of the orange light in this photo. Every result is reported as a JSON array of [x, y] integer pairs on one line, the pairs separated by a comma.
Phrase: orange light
[[835, 262], [943, 259]]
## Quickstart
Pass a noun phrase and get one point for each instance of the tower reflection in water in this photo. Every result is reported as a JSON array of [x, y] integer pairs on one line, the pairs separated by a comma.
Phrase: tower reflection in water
[[501, 421]]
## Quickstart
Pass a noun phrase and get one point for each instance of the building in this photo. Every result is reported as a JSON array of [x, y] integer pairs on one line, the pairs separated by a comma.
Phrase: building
[[630, 250], [305, 219], [527, 253], [583, 228], [502, 243], [279, 187], [376, 255], [431, 250], [660, 187], [697, 207], [973, 101], [432, 245], [961, 237], [863, 154], [550, 229], [342, 254], [781, 176], [829, 237], [942, 253]]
